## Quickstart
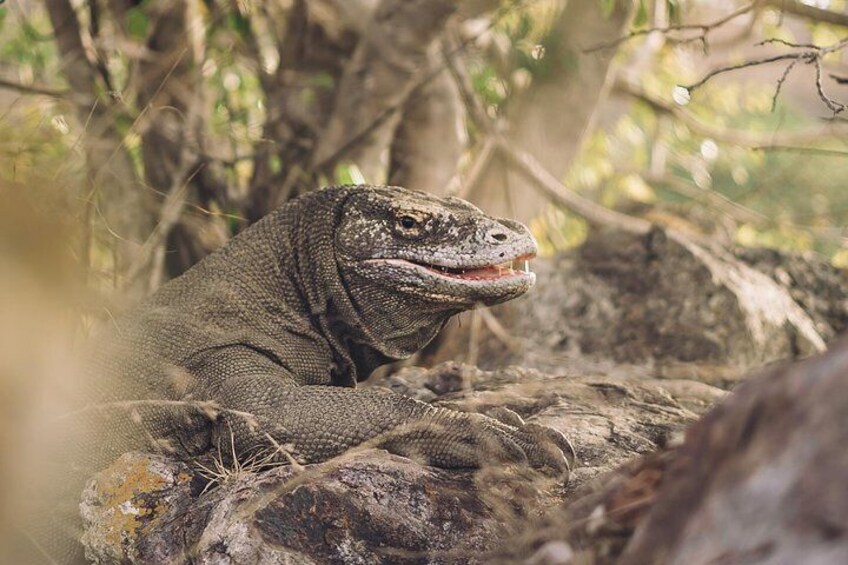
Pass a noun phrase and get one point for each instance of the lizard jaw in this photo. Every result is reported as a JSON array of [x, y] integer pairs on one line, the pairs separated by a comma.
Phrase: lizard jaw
[[518, 267], [486, 284]]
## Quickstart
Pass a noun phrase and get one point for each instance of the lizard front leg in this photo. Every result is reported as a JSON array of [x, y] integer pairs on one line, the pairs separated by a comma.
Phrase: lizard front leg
[[263, 405], [320, 422]]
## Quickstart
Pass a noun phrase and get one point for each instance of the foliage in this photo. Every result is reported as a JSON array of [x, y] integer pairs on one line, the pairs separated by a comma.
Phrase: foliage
[[791, 199]]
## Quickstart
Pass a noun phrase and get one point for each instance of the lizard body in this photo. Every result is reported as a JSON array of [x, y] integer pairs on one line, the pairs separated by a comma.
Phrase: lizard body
[[265, 339]]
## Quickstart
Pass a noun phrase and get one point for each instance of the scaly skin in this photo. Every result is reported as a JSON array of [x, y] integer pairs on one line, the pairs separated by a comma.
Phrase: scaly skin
[[266, 338]]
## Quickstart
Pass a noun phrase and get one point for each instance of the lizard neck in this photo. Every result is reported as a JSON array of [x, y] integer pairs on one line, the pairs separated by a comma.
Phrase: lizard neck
[[365, 326]]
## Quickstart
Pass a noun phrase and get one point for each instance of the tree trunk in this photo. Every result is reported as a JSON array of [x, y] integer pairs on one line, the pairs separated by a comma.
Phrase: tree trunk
[[431, 137], [390, 58], [572, 81]]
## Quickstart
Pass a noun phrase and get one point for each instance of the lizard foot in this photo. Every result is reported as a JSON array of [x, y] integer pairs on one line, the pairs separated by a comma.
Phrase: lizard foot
[[543, 445], [460, 439]]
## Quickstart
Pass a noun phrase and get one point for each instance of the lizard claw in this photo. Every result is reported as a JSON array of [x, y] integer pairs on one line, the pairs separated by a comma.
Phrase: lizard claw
[[446, 438], [549, 449], [505, 416], [544, 448]]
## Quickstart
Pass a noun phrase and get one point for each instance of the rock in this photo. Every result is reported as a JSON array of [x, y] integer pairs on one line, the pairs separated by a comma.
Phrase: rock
[[761, 479], [817, 286], [607, 419], [597, 521], [368, 506], [123, 509], [661, 301], [364, 507]]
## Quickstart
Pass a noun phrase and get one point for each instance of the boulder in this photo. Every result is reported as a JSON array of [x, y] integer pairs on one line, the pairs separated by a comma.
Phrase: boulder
[[683, 308], [368, 506], [607, 419], [760, 479]]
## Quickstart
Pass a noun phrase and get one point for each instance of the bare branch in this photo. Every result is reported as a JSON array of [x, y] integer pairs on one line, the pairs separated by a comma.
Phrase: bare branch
[[713, 199], [478, 167], [562, 195], [809, 12], [780, 82], [835, 107], [702, 29], [34, 89], [452, 51], [821, 152], [734, 137], [78, 69], [808, 54], [749, 63]]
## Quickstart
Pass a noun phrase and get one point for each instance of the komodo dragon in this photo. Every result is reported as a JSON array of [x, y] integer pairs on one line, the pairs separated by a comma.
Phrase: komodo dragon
[[265, 339]]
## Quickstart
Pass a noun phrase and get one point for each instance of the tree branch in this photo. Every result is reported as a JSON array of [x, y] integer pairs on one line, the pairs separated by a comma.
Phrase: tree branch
[[78, 69], [34, 89], [809, 12], [703, 29], [562, 195], [734, 137], [809, 55]]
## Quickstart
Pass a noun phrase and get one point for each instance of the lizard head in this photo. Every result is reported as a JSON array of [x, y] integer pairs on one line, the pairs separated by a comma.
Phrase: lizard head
[[441, 251]]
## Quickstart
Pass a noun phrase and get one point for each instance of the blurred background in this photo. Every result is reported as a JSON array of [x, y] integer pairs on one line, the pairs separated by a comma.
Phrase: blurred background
[[138, 136], [148, 133]]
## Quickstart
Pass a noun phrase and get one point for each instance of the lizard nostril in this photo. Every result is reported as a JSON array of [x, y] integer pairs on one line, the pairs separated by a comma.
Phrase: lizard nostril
[[500, 236]]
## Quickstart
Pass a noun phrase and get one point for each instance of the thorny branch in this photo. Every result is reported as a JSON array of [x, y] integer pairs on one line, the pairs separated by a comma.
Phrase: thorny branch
[[805, 53]]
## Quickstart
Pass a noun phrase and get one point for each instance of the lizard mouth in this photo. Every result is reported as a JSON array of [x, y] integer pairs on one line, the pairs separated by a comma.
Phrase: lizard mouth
[[507, 269], [517, 267]]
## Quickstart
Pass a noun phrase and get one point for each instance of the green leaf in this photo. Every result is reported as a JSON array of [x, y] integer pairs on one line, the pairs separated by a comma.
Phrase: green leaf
[[137, 23], [348, 173]]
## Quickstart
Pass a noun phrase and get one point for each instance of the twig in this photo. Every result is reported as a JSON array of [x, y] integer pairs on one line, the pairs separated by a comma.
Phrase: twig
[[809, 54], [151, 256], [500, 332], [780, 82], [712, 198], [835, 107], [735, 137], [704, 30], [152, 251], [478, 167], [736, 67], [474, 338], [810, 12], [809, 150], [463, 82], [34, 89]]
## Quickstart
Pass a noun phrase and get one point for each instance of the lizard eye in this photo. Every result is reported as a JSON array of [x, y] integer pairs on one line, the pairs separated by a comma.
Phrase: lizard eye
[[407, 222], [411, 225]]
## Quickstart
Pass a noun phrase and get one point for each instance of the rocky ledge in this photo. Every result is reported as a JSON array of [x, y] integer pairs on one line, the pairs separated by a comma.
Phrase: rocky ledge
[[369, 506]]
